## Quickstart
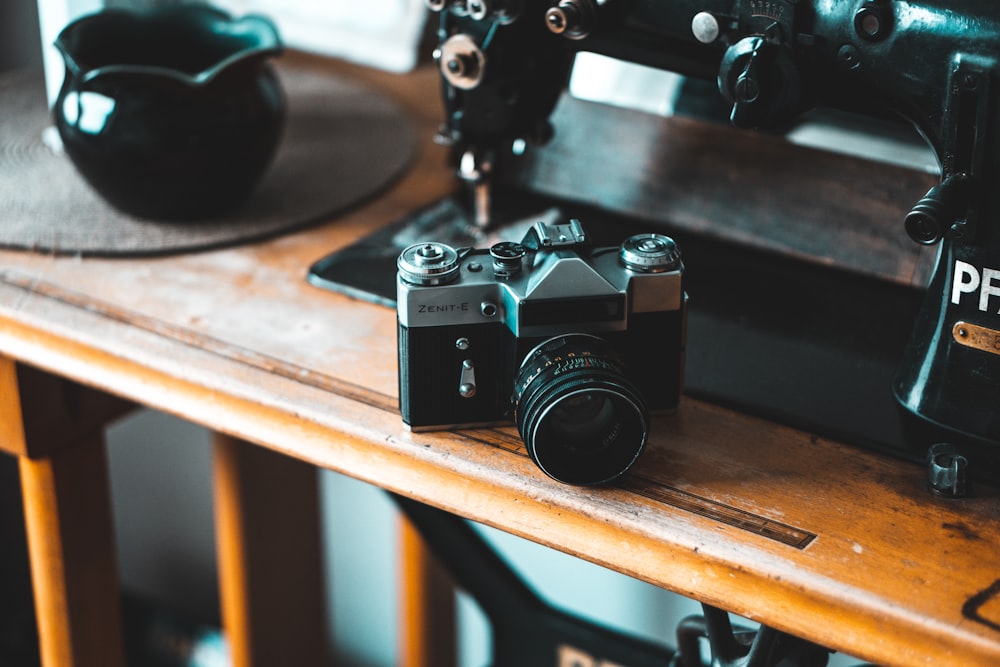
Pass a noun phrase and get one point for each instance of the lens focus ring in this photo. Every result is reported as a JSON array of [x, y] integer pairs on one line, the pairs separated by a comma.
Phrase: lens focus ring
[[582, 420]]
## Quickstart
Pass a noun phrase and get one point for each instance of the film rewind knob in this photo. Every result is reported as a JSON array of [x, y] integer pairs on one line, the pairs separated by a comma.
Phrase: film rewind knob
[[428, 264]]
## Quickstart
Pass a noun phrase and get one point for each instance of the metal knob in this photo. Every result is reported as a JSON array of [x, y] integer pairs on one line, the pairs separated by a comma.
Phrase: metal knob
[[573, 19], [761, 81], [705, 27], [650, 253], [939, 213], [462, 62], [428, 264], [947, 471], [507, 258]]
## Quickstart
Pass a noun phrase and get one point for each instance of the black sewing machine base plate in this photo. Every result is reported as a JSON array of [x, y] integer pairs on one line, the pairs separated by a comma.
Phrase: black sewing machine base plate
[[802, 344]]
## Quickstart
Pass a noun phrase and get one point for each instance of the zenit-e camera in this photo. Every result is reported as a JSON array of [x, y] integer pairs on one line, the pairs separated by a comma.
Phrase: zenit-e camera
[[578, 344]]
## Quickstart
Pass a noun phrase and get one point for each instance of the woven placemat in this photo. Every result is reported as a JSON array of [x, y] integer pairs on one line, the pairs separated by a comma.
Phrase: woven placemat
[[342, 143]]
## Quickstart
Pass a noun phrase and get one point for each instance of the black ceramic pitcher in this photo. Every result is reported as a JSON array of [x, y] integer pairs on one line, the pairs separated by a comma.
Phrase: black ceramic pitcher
[[172, 113]]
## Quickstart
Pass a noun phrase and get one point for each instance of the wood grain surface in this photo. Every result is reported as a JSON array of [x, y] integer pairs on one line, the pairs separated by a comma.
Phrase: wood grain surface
[[835, 544]]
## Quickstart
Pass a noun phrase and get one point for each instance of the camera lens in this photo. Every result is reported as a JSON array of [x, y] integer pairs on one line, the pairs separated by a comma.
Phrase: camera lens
[[582, 420]]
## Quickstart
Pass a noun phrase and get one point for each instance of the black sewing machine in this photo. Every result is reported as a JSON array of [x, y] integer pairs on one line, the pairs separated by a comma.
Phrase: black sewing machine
[[817, 342]]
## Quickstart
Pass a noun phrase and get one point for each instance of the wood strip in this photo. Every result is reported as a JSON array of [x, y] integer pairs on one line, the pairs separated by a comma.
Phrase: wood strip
[[269, 551], [200, 341], [427, 605], [660, 492], [731, 516], [12, 438], [72, 551], [67, 507], [753, 188]]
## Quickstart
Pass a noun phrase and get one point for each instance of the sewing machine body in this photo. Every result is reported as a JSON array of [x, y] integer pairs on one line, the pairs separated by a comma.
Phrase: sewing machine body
[[505, 64]]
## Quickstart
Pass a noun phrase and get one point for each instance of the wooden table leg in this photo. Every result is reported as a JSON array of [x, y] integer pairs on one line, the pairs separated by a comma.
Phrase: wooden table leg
[[73, 565], [270, 556], [426, 604], [56, 429]]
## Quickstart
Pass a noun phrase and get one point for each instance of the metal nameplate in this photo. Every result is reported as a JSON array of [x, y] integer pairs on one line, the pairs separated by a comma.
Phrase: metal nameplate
[[977, 337]]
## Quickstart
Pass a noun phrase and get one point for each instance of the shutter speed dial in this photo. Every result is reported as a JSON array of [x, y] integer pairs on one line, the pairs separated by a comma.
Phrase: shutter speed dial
[[650, 253]]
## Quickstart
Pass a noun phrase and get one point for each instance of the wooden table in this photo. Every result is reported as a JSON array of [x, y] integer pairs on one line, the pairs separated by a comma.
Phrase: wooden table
[[825, 541]]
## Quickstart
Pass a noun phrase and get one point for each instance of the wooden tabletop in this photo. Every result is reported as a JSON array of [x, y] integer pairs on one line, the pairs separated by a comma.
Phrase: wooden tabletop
[[826, 541]]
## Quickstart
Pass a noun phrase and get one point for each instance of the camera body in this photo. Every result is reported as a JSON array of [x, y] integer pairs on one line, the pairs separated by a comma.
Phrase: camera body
[[472, 321]]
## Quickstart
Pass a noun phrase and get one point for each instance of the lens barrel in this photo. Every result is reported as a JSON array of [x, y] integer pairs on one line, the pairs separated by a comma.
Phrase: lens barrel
[[582, 420]]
